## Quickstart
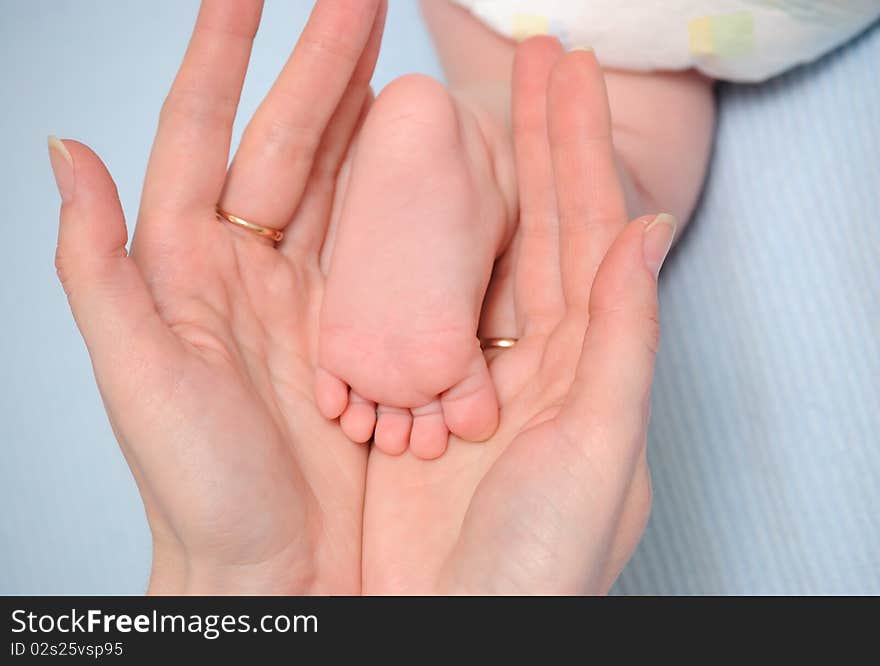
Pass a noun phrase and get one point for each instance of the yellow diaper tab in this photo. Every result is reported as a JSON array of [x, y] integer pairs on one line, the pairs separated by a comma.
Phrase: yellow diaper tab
[[529, 25], [726, 36]]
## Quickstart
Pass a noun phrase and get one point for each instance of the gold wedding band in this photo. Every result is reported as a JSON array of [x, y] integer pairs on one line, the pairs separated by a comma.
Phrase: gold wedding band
[[266, 232], [497, 343]]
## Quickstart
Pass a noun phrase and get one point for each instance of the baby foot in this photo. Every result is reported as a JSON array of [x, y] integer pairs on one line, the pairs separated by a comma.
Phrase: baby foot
[[422, 223]]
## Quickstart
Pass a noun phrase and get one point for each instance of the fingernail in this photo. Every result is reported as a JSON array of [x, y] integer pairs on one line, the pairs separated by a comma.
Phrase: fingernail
[[586, 48], [62, 167], [659, 233]]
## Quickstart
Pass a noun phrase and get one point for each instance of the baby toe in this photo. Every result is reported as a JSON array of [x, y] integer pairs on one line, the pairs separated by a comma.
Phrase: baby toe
[[359, 419], [429, 434], [470, 408], [393, 428], [331, 394]]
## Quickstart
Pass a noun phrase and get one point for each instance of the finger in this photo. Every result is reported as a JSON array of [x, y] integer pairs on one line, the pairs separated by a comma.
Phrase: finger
[[321, 202], [311, 207], [609, 396], [187, 166], [107, 294], [537, 284], [318, 95], [592, 207], [498, 318]]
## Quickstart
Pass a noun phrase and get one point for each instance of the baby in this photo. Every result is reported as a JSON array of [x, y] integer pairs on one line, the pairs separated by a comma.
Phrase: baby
[[430, 191]]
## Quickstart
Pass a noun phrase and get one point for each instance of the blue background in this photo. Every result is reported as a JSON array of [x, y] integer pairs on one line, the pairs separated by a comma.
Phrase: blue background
[[764, 439]]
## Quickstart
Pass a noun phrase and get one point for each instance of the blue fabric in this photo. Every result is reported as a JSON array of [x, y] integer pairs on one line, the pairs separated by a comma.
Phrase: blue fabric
[[766, 423], [765, 432]]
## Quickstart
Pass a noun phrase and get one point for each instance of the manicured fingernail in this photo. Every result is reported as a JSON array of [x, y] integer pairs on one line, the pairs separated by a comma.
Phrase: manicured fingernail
[[62, 167], [659, 233], [584, 47]]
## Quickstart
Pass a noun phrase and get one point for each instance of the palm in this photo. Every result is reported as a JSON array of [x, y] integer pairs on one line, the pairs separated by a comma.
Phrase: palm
[[419, 514], [243, 332]]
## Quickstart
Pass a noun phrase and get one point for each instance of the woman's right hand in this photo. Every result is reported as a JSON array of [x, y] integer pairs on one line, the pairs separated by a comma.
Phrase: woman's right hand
[[557, 499], [203, 340]]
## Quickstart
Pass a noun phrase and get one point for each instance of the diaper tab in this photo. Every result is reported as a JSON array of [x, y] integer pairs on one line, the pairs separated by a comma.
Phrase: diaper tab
[[724, 35]]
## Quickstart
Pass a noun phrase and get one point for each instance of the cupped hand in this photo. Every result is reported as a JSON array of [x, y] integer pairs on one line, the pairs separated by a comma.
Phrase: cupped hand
[[556, 501], [203, 338]]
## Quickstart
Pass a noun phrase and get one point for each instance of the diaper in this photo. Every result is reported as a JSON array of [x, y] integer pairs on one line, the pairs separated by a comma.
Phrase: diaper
[[736, 40]]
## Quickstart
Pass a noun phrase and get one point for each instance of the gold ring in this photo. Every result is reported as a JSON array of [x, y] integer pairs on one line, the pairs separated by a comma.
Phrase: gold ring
[[498, 343], [266, 232]]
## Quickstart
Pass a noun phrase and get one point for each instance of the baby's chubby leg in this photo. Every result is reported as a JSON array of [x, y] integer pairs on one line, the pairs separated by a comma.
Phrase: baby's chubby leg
[[426, 212]]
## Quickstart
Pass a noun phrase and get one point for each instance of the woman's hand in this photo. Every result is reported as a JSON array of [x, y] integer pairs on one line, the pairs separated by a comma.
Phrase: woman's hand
[[556, 501], [203, 340]]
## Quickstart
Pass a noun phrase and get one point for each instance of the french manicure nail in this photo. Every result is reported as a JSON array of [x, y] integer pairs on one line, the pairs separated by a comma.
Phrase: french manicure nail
[[659, 233], [62, 167]]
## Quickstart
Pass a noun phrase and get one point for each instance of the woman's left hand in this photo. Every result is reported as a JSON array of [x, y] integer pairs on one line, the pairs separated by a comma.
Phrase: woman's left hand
[[203, 340], [557, 500]]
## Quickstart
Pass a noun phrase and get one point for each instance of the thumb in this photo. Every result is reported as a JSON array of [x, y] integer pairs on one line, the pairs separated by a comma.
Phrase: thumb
[[107, 294], [613, 380]]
